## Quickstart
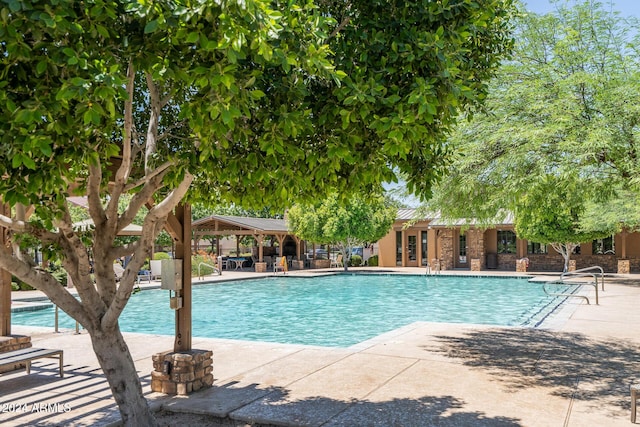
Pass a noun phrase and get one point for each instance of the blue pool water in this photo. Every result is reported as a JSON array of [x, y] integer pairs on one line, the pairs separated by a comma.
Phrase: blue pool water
[[337, 310]]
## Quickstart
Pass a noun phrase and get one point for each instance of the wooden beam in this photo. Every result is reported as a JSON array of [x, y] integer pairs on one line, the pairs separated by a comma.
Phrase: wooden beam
[[183, 251], [229, 232], [280, 238], [175, 228]]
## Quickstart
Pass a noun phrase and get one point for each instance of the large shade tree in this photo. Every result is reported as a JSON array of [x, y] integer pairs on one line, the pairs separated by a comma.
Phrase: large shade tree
[[564, 110], [551, 212], [198, 100], [345, 223]]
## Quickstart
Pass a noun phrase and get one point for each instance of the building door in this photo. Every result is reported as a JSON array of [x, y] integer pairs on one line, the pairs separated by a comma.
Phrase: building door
[[461, 252], [412, 250], [423, 249]]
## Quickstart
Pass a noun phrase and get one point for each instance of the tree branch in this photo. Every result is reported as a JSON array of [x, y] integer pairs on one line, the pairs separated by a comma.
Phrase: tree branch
[[154, 117], [46, 283], [345, 21], [157, 216]]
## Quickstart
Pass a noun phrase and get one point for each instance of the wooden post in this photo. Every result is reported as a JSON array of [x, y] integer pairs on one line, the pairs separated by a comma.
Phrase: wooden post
[[183, 251], [260, 239], [5, 281], [280, 238]]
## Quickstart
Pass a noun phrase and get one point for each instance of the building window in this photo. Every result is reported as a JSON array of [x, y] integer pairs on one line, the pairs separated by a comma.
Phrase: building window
[[536, 248], [506, 242], [398, 247], [423, 248], [462, 249], [604, 246]]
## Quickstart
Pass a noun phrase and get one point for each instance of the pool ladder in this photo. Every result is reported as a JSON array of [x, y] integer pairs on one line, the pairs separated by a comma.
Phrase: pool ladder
[[583, 272], [215, 269]]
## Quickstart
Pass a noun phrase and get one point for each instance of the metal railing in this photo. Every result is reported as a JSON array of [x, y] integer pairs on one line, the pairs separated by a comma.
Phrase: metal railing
[[215, 269], [583, 272], [56, 323], [560, 294]]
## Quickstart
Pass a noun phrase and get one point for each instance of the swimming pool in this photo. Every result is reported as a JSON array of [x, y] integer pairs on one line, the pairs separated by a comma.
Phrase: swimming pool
[[336, 310]]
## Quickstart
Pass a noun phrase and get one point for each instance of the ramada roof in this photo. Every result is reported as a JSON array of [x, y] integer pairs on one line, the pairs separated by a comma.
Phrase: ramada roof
[[232, 223]]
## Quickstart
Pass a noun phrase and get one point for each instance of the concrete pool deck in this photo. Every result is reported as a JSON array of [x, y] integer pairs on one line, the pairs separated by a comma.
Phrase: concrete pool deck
[[574, 372]]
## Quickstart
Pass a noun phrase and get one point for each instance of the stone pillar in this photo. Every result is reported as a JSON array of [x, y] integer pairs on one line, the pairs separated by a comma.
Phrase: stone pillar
[[297, 265], [624, 266], [182, 372], [447, 256], [261, 267], [572, 265], [321, 263], [475, 264], [521, 266], [11, 343]]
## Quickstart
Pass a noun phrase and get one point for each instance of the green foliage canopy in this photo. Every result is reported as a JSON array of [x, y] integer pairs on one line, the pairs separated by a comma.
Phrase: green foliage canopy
[[343, 223], [172, 101], [562, 110]]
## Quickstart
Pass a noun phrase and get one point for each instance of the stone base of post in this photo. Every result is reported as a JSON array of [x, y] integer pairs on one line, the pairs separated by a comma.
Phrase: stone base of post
[[183, 372]]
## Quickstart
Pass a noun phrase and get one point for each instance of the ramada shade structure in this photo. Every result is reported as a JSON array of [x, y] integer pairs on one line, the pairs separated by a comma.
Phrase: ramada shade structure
[[227, 225]]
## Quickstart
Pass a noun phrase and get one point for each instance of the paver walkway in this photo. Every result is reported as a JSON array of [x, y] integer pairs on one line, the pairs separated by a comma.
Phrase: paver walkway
[[576, 373]]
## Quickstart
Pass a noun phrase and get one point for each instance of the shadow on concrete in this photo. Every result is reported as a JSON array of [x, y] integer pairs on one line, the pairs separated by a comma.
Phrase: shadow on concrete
[[44, 399], [571, 365], [271, 406]]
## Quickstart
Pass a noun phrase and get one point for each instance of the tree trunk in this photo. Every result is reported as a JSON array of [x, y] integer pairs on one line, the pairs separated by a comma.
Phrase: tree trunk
[[118, 367], [566, 262], [565, 250]]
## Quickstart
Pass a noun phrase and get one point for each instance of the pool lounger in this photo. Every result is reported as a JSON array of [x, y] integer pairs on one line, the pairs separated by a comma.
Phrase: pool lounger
[[27, 355]]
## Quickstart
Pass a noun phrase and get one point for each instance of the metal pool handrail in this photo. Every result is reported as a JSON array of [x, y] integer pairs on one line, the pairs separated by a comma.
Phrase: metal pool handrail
[[55, 322], [562, 282], [210, 266], [584, 272]]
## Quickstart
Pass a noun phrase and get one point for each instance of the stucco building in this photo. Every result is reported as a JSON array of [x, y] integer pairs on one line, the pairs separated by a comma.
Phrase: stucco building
[[430, 241]]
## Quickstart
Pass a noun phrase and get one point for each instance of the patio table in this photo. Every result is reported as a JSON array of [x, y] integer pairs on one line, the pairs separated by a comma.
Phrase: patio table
[[238, 262]]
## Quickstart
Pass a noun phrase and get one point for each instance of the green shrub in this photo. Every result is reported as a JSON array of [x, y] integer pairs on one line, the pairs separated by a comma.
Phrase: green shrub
[[161, 256], [25, 287], [373, 261], [19, 285], [60, 275], [356, 260], [205, 269]]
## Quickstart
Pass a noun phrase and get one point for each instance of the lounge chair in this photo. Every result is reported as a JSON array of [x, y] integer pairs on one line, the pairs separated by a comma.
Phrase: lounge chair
[[118, 271]]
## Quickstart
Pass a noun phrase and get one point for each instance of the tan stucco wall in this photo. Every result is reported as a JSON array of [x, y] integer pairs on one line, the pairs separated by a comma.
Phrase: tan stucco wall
[[387, 247], [633, 245]]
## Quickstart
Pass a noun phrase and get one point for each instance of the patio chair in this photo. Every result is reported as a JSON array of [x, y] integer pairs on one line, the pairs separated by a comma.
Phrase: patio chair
[[269, 260], [280, 264], [306, 261], [337, 262]]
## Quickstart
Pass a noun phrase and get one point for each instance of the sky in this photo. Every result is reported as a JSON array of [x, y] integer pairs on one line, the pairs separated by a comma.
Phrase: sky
[[625, 7]]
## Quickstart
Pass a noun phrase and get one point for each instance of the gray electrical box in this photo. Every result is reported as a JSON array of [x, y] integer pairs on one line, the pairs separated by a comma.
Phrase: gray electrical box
[[171, 274]]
